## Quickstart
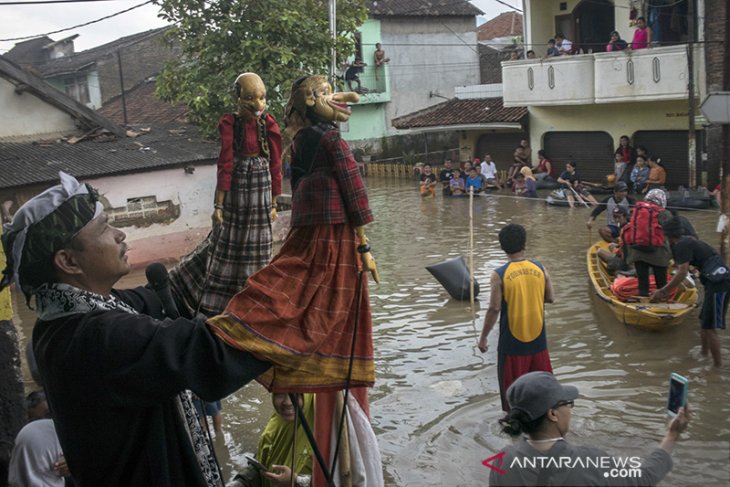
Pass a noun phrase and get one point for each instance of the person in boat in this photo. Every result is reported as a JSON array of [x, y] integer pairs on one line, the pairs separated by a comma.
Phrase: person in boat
[[610, 232], [714, 276], [316, 325], [541, 413], [657, 174], [457, 185], [571, 183], [544, 169], [615, 256], [530, 183], [656, 258], [116, 347], [520, 289], [428, 181], [640, 174], [278, 443]]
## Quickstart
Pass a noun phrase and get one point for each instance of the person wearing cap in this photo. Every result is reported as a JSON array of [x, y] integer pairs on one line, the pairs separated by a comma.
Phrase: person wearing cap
[[519, 290], [91, 341], [610, 232], [615, 256], [541, 410], [715, 277]]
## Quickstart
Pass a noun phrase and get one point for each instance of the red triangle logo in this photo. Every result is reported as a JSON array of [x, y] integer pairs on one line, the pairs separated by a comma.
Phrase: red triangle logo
[[488, 463]]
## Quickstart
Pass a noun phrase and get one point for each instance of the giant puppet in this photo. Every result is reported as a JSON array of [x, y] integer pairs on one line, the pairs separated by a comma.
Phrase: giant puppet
[[249, 181], [308, 311]]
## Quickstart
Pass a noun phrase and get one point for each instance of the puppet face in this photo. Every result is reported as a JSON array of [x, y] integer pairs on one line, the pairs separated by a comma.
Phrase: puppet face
[[250, 96], [330, 106]]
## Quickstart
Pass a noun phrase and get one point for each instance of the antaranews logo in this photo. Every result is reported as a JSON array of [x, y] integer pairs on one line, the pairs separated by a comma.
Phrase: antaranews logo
[[607, 466]]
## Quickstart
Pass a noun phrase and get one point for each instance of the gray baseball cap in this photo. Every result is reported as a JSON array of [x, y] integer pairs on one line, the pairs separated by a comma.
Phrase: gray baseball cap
[[537, 392], [620, 187]]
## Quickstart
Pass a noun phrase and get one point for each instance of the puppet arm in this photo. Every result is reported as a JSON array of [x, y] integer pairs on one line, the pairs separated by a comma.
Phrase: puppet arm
[[363, 248], [220, 197], [274, 215]]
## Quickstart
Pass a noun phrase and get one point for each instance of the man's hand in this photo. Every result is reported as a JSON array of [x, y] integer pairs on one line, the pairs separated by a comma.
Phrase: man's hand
[[483, 344], [279, 475], [659, 295], [61, 468], [680, 421], [589, 223]]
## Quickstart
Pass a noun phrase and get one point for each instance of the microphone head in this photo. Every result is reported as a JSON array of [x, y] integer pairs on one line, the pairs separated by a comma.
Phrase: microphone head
[[156, 275]]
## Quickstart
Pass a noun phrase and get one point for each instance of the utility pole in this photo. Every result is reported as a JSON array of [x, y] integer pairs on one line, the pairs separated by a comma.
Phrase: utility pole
[[121, 84], [692, 102], [725, 141], [333, 33]]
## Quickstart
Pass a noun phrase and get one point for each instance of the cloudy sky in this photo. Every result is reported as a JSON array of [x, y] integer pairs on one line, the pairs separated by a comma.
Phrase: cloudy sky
[[32, 20]]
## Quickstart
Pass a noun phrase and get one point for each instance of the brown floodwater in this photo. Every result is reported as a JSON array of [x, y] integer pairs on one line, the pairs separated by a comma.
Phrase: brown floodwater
[[435, 405]]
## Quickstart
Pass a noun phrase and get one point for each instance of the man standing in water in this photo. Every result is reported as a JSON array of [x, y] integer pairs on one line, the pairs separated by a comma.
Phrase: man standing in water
[[519, 291], [115, 377]]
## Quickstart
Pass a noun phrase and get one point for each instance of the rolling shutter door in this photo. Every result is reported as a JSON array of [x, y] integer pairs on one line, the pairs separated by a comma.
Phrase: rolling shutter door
[[502, 147], [592, 151], [671, 146]]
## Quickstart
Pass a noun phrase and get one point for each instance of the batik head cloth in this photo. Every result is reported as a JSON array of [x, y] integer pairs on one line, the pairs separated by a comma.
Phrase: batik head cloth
[[657, 196], [43, 226]]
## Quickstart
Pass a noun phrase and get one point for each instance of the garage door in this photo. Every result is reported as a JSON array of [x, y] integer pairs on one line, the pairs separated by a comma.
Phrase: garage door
[[501, 146], [592, 151], [671, 146]]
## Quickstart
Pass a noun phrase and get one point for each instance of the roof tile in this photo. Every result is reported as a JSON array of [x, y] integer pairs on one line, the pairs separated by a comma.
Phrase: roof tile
[[423, 8], [460, 112]]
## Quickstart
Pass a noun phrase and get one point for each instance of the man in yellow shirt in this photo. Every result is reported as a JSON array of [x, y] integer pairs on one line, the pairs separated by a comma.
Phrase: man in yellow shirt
[[519, 290]]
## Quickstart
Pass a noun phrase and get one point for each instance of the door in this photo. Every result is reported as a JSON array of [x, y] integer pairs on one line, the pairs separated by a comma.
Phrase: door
[[591, 151], [671, 147], [501, 146]]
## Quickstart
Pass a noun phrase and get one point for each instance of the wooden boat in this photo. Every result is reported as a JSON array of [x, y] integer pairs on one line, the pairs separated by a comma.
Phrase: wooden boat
[[641, 313]]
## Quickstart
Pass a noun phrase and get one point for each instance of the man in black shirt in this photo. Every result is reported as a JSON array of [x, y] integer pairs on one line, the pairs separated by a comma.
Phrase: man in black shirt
[[714, 275], [445, 177]]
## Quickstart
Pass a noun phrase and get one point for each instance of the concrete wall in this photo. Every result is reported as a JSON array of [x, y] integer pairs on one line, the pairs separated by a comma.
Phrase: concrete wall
[[427, 55], [617, 119], [26, 115]]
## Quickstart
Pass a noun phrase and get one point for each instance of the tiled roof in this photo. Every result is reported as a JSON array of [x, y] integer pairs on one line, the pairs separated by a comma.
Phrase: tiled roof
[[79, 60], [423, 8], [32, 163], [30, 51], [462, 112], [503, 25], [143, 107]]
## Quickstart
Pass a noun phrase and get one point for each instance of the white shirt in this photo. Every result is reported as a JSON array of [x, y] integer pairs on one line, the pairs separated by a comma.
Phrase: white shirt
[[36, 451], [489, 170], [566, 46]]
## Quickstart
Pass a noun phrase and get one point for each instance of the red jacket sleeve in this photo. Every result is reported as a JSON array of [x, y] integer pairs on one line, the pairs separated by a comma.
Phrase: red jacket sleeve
[[225, 159], [274, 135]]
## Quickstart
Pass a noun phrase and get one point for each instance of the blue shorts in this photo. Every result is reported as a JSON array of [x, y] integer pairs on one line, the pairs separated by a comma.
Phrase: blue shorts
[[211, 408], [714, 307]]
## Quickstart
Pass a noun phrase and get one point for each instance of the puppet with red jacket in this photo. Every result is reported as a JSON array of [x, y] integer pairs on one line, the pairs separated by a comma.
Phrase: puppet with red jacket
[[308, 311], [249, 181]]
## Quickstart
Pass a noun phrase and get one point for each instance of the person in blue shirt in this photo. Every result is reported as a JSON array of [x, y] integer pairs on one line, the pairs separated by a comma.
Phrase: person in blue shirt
[[474, 181]]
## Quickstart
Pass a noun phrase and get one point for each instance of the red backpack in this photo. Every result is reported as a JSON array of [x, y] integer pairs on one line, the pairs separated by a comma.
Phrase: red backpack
[[644, 232]]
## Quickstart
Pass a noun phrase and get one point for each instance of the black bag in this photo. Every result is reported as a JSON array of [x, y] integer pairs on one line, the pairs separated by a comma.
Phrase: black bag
[[714, 269]]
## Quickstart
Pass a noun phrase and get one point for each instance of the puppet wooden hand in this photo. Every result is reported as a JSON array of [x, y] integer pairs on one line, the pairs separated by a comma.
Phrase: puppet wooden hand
[[217, 217], [274, 215], [368, 263]]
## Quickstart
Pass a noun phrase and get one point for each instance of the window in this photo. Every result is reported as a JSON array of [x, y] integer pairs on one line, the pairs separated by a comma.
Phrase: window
[[77, 87]]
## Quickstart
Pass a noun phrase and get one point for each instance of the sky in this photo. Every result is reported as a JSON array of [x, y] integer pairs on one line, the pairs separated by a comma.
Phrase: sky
[[34, 20]]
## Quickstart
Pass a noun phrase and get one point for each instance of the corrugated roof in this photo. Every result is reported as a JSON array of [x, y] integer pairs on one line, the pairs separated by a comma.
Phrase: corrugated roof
[[143, 106], [504, 25], [461, 112], [33, 163], [423, 8]]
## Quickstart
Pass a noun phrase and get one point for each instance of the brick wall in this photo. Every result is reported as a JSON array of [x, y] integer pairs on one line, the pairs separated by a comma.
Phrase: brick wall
[[716, 25]]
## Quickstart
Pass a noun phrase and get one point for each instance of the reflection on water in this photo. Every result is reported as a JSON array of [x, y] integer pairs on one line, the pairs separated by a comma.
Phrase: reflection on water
[[436, 402]]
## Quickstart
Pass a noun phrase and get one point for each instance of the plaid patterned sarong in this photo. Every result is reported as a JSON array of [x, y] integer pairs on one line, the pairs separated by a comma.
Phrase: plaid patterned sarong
[[298, 313], [207, 278]]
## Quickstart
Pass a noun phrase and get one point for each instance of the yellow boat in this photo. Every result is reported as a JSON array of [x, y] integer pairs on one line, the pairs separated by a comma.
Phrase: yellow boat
[[642, 313]]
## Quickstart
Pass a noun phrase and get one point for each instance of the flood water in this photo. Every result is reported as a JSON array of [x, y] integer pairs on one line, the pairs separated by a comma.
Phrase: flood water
[[436, 403]]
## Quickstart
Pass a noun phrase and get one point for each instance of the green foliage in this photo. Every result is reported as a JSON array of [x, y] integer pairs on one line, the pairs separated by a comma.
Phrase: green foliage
[[280, 40]]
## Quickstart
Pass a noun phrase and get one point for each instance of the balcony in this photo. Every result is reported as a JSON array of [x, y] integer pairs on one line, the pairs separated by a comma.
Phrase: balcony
[[653, 74], [372, 90], [565, 80]]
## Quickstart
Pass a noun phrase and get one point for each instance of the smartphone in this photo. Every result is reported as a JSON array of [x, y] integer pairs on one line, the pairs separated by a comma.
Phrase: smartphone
[[256, 464], [677, 393]]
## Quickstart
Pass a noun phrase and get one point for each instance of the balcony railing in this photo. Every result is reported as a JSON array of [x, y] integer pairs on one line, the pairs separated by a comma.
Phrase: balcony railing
[[641, 75], [372, 90]]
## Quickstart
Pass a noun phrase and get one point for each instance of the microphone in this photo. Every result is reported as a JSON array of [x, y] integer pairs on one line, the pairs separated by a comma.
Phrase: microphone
[[160, 283]]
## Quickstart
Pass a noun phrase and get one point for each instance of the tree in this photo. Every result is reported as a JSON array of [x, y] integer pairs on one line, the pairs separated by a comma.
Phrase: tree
[[280, 40]]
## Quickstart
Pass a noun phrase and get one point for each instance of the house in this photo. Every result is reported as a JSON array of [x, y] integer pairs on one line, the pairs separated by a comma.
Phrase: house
[[478, 117], [432, 47], [156, 184], [502, 30], [580, 105], [94, 76]]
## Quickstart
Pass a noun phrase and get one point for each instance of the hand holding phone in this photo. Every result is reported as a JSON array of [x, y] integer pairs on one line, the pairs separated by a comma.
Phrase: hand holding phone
[[256, 464], [678, 386]]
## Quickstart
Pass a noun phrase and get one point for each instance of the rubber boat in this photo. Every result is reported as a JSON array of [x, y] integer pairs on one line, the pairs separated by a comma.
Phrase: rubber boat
[[690, 200], [641, 313], [453, 274]]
